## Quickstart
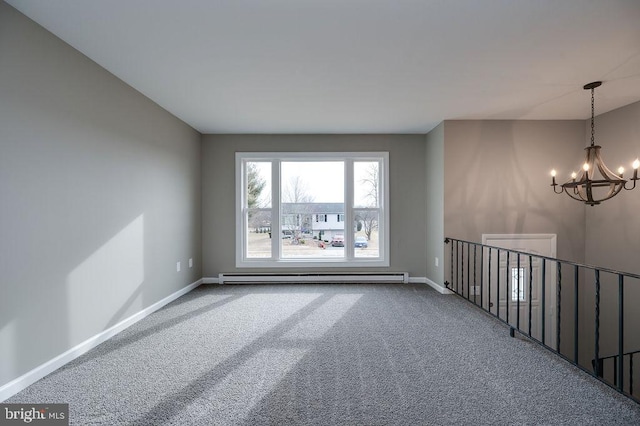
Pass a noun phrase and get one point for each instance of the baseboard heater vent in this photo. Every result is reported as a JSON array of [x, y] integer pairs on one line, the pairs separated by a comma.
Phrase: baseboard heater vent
[[313, 277]]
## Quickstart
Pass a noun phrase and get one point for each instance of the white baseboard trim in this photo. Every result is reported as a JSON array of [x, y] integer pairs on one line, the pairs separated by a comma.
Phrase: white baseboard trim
[[210, 280], [13, 387], [437, 287], [417, 280]]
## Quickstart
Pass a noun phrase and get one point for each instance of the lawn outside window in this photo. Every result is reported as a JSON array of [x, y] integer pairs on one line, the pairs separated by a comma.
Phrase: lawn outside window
[[308, 209]]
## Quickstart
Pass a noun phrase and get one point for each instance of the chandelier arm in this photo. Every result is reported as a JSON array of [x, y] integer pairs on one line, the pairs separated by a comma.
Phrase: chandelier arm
[[615, 190], [589, 189], [612, 193], [605, 172], [573, 196], [625, 185], [582, 193]]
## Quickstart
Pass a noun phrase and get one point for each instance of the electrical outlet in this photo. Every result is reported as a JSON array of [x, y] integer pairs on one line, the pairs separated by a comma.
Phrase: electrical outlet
[[190, 262], [178, 267]]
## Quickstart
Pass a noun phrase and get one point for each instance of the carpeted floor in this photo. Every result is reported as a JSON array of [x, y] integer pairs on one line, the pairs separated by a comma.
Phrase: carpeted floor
[[325, 355]]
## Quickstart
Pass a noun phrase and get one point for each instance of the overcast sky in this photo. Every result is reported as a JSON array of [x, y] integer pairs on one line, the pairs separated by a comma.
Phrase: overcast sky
[[323, 179]]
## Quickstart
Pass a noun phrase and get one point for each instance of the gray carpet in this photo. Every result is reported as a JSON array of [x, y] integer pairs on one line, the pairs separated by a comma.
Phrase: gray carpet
[[325, 355]]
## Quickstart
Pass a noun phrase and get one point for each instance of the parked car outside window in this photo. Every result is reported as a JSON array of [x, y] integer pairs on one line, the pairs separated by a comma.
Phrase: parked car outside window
[[361, 242], [337, 241]]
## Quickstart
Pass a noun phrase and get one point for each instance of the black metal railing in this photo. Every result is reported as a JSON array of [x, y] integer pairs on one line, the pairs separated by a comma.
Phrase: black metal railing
[[575, 310], [609, 367]]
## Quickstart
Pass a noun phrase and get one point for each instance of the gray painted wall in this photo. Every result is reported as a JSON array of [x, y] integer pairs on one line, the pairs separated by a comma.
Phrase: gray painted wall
[[407, 189], [100, 193], [497, 180], [434, 168]]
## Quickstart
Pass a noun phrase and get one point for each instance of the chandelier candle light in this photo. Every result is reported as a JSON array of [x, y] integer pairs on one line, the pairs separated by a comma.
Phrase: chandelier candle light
[[582, 188]]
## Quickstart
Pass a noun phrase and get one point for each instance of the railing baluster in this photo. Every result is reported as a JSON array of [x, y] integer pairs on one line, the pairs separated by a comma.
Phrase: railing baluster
[[498, 286], [456, 270], [468, 267], [475, 276], [489, 277], [482, 272], [575, 315], [451, 264], [457, 276], [544, 297], [558, 305], [599, 367], [462, 268], [620, 332], [507, 295], [518, 296], [597, 342], [530, 290], [631, 374]]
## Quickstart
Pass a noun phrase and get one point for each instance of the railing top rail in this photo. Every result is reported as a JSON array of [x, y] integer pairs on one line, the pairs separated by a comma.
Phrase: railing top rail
[[568, 262]]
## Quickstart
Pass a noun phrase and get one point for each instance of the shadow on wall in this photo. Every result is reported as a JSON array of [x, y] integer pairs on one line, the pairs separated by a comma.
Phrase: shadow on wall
[[109, 280], [99, 292], [494, 180]]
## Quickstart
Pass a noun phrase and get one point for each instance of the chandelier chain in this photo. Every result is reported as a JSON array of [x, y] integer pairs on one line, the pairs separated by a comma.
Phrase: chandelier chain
[[592, 117]]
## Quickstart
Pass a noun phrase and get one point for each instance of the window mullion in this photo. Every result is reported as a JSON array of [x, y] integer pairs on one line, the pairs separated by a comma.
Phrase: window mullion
[[383, 205], [348, 210], [241, 210], [276, 228]]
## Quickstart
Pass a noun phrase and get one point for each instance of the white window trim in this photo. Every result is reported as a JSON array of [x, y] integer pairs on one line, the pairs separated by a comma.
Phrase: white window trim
[[277, 261]]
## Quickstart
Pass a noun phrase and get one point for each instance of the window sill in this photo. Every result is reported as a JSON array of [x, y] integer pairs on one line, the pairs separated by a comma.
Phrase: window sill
[[315, 263]]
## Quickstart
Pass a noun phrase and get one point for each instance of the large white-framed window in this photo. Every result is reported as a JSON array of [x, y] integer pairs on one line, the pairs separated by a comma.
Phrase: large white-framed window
[[311, 209]]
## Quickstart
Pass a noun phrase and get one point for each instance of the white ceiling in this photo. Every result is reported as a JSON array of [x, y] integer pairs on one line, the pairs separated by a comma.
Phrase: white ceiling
[[358, 66]]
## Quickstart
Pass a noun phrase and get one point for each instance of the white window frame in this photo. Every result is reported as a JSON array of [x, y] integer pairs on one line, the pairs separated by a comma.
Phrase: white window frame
[[277, 260]]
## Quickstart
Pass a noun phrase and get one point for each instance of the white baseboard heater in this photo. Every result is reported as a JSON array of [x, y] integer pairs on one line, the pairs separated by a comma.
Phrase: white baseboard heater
[[313, 277]]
